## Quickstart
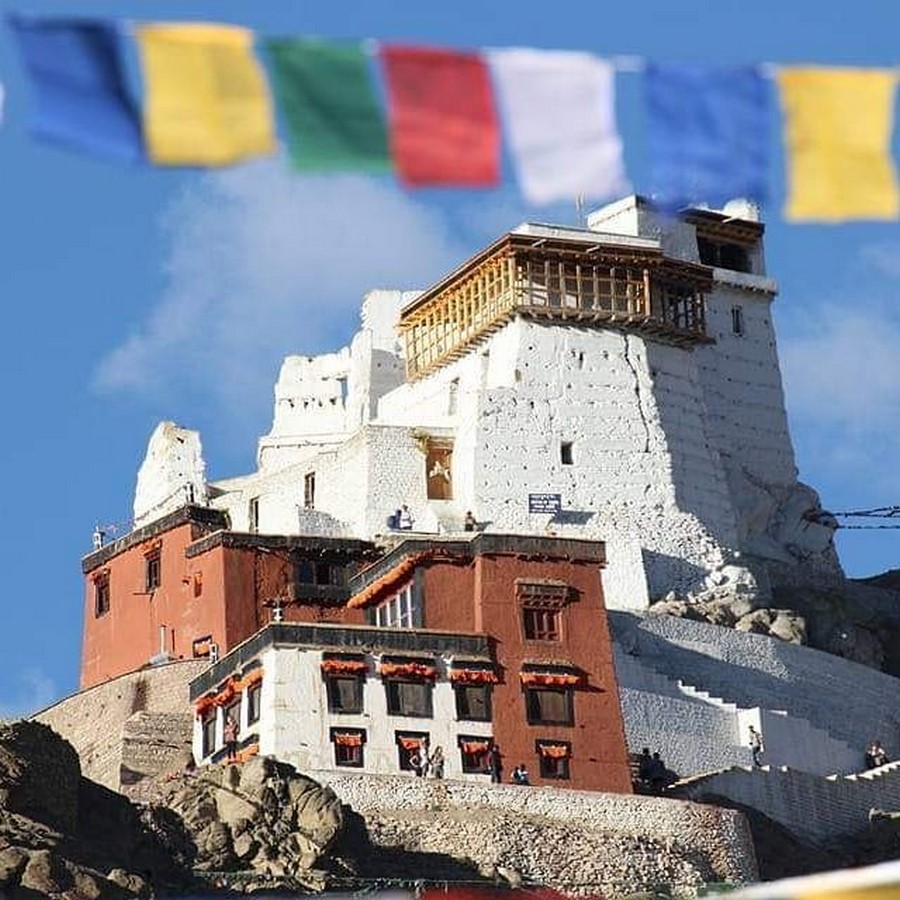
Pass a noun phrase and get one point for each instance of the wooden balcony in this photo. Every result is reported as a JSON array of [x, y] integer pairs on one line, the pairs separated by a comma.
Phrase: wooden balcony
[[629, 286]]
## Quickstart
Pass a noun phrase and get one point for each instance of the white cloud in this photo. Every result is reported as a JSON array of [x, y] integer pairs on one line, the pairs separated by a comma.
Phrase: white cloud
[[262, 263], [32, 690], [842, 382], [883, 258]]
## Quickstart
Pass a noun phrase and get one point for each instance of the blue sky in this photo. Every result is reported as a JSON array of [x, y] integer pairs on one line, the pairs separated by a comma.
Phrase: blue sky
[[132, 294]]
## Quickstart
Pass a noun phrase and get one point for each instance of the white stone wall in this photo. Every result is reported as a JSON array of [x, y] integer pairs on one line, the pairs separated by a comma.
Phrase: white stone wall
[[172, 474], [842, 701], [813, 808], [295, 723]]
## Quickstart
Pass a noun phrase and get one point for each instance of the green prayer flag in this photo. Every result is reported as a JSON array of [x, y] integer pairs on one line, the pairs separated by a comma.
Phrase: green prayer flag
[[328, 107]]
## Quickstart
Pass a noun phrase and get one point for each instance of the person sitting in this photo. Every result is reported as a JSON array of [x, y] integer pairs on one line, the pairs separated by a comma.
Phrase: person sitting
[[405, 520], [520, 774], [470, 523], [876, 756]]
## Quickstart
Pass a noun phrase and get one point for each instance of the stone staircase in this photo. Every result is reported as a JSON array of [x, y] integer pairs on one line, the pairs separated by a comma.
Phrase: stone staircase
[[665, 713]]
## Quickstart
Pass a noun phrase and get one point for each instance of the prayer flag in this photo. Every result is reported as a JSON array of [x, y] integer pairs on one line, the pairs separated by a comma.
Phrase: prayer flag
[[328, 106], [207, 102], [442, 119], [559, 114], [707, 134], [838, 135], [79, 84]]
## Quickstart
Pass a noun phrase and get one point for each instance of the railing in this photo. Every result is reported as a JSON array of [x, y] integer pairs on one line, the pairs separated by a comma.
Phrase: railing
[[650, 294]]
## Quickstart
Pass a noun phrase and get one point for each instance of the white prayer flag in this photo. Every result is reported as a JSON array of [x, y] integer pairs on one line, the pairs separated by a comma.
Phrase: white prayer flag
[[559, 114]]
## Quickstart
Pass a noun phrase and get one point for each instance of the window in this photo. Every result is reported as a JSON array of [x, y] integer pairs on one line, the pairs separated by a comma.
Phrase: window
[[549, 706], [554, 758], [408, 698], [473, 702], [409, 744], [208, 734], [309, 490], [101, 594], [152, 570], [253, 514], [473, 753], [345, 693], [320, 573], [403, 610], [452, 397], [542, 624], [725, 255], [737, 319], [348, 746], [439, 471], [234, 710], [565, 453], [254, 695]]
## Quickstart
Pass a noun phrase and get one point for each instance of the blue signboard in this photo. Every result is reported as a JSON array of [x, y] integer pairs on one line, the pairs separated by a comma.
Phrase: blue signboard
[[544, 503]]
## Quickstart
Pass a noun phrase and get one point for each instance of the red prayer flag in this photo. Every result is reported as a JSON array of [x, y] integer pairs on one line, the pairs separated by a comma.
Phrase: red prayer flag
[[443, 121]]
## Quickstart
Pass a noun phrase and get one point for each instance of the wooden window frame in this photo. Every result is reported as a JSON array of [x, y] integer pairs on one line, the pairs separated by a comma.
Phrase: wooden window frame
[[349, 757], [468, 765], [460, 689], [208, 734], [536, 629], [102, 595], [403, 755], [332, 695], [153, 570], [532, 706], [309, 490], [254, 703], [554, 768], [426, 684]]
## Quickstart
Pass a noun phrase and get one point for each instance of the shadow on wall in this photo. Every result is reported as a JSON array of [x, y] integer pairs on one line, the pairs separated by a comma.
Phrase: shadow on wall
[[676, 574], [849, 701]]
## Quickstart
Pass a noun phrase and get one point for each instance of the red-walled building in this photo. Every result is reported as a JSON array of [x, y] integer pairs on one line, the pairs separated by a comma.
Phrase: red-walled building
[[185, 584], [544, 666]]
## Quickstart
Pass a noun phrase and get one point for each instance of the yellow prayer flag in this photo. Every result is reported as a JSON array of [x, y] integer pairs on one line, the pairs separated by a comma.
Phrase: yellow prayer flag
[[838, 137], [207, 101]]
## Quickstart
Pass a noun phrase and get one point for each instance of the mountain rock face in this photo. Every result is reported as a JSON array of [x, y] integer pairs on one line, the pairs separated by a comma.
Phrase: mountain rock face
[[260, 818], [64, 836], [257, 825]]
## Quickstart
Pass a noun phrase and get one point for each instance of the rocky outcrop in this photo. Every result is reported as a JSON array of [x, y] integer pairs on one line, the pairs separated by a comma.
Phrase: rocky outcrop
[[260, 818], [859, 621], [64, 836]]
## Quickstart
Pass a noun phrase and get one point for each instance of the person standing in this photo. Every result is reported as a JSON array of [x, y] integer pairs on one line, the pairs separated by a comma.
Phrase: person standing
[[436, 763], [495, 764], [756, 746], [230, 736]]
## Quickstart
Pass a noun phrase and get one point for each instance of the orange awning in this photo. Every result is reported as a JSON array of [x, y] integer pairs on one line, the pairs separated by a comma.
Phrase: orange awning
[[408, 670], [252, 677], [204, 705], [348, 739], [343, 666], [473, 747], [550, 679], [409, 743], [554, 751], [474, 676]]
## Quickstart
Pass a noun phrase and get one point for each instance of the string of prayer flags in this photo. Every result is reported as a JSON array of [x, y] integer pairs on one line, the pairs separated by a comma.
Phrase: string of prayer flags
[[707, 134], [207, 98], [838, 137], [80, 93], [558, 112], [443, 122], [328, 106]]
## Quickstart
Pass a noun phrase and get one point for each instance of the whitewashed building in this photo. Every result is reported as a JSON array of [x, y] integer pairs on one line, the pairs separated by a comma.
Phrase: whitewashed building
[[628, 368], [333, 697]]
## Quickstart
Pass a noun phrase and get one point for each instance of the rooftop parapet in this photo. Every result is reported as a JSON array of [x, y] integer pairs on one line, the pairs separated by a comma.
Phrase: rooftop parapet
[[562, 274]]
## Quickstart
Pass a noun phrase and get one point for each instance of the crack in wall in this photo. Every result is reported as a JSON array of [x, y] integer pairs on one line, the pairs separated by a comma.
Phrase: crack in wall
[[637, 391]]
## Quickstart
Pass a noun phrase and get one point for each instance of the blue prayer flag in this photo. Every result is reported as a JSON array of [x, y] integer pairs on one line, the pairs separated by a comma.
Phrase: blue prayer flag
[[81, 94], [707, 134]]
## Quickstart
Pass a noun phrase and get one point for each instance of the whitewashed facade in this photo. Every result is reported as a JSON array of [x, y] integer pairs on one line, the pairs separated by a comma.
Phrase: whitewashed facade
[[679, 457], [295, 719]]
